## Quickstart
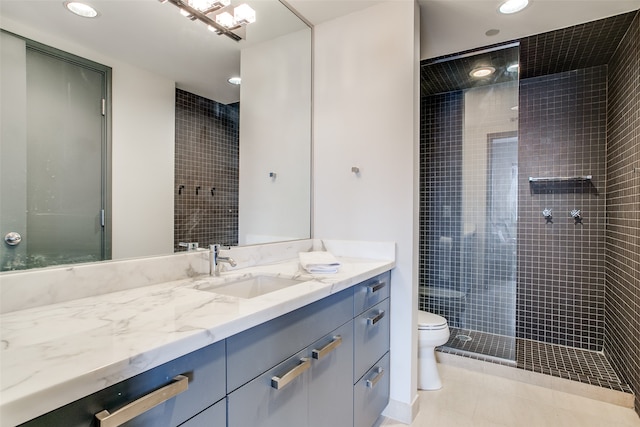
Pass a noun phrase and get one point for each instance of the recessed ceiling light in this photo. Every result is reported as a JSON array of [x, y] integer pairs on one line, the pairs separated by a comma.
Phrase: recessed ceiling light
[[513, 6], [492, 32], [482, 72], [81, 9], [235, 81], [513, 68]]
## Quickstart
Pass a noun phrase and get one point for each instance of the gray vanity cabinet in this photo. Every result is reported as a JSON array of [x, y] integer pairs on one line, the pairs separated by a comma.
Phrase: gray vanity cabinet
[[371, 393], [311, 388], [308, 386], [330, 398], [258, 403], [198, 378], [371, 326]]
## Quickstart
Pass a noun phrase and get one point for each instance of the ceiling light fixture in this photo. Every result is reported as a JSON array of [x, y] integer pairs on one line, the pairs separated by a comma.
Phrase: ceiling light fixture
[[482, 72], [513, 6], [212, 13], [235, 81], [513, 68], [81, 9]]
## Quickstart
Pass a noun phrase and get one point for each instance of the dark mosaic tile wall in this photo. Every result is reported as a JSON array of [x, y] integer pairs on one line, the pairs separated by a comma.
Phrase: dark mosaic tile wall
[[622, 337], [441, 127], [206, 171], [562, 133]]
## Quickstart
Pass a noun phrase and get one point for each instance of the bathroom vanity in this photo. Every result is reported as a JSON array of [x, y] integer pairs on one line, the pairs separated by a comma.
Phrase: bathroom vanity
[[312, 353]]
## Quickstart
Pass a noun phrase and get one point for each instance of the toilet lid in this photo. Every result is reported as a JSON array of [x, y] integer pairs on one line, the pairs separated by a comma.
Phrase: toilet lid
[[428, 320]]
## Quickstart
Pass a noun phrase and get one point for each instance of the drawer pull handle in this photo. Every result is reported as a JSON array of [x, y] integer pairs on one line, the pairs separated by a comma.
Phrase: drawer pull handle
[[279, 382], [372, 382], [335, 343], [375, 287], [179, 384], [376, 318]]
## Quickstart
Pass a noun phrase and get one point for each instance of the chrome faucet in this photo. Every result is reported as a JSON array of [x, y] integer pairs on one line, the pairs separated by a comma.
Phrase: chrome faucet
[[215, 259]]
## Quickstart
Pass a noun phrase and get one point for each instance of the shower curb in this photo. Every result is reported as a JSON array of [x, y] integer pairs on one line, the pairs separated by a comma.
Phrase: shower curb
[[601, 394]]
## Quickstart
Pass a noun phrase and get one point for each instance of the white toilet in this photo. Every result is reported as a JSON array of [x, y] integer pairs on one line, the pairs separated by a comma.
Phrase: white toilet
[[432, 332]]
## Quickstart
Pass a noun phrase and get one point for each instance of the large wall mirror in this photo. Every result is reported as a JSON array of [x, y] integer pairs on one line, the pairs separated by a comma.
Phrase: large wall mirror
[[189, 157]]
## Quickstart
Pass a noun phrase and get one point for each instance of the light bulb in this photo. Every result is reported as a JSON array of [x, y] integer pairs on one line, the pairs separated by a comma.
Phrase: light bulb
[[81, 9], [226, 20], [513, 6], [243, 14]]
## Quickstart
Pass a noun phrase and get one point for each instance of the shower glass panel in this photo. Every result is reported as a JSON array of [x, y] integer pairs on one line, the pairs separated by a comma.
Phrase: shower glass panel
[[469, 197], [54, 196]]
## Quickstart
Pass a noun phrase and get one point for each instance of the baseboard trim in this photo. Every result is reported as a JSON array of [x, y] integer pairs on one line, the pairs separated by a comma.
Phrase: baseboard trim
[[403, 412]]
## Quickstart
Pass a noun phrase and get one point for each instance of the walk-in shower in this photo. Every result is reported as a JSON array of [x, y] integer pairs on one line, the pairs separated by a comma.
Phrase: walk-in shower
[[514, 189]]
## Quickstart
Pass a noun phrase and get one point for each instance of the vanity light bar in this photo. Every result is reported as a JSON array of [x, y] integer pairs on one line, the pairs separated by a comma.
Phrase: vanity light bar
[[194, 14]]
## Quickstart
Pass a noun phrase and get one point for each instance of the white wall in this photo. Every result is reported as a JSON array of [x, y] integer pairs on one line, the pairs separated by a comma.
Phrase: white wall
[[142, 151], [143, 163], [274, 137], [366, 114]]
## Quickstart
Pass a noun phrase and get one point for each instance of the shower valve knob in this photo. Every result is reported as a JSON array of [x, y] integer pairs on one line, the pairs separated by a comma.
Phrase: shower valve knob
[[577, 216], [546, 213]]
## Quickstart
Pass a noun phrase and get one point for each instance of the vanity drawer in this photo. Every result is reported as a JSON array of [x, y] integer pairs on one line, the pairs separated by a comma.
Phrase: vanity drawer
[[330, 386], [204, 368], [371, 394], [258, 403], [252, 352], [370, 292], [371, 337]]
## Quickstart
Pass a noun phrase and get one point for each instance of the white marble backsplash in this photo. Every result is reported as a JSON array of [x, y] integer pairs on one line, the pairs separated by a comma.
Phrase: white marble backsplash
[[20, 290]]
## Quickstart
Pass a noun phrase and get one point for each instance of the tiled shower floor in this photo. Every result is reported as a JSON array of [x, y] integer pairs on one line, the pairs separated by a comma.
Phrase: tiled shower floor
[[575, 364]]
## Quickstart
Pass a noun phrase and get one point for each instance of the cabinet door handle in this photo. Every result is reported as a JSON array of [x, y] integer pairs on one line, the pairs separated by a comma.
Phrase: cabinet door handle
[[279, 382], [179, 384], [373, 381], [376, 318], [375, 287], [335, 343]]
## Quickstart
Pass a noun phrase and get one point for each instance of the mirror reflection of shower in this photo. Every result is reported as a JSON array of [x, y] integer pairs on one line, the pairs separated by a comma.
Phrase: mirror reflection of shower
[[469, 198]]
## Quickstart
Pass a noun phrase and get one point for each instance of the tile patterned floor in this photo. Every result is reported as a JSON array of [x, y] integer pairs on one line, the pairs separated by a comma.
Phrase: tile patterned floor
[[575, 364], [473, 399]]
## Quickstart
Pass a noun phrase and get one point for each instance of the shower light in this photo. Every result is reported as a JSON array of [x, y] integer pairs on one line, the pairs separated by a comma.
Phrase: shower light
[[235, 81], [81, 9], [513, 67], [513, 6], [482, 72]]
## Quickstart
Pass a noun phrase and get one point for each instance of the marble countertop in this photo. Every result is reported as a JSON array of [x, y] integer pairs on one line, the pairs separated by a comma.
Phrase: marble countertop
[[55, 354]]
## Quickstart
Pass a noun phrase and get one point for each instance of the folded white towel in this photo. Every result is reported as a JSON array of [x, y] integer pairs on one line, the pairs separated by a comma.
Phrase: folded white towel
[[319, 262]]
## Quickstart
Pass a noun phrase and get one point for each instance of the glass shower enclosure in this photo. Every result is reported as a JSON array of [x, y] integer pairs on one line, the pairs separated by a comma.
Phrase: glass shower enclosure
[[469, 198]]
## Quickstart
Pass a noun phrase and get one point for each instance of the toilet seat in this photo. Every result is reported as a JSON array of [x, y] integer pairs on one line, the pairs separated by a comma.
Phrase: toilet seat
[[430, 321]]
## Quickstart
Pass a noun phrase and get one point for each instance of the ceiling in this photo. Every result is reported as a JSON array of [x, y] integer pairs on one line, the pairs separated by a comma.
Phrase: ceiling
[[151, 36], [449, 26], [155, 37], [577, 47]]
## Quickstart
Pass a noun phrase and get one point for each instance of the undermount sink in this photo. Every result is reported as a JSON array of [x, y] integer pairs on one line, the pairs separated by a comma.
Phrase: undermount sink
[[251, 287]]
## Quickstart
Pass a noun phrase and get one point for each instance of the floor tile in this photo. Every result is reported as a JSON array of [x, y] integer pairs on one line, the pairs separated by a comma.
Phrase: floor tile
[[473, 399]]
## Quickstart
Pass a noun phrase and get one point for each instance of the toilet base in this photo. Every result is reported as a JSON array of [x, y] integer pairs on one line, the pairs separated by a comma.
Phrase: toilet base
[[428, 377]]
